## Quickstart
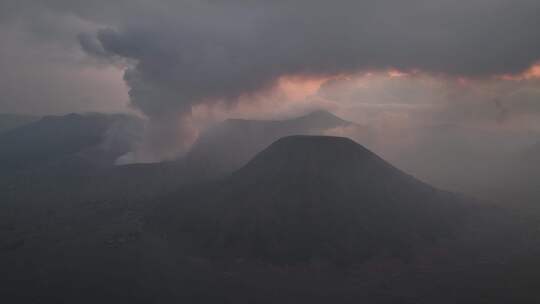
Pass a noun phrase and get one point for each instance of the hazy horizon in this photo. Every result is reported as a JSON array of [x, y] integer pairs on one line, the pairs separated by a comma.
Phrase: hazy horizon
[[301, 151]]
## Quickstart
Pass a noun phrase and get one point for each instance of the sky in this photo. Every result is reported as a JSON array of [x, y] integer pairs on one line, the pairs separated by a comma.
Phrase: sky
[[394, 65]]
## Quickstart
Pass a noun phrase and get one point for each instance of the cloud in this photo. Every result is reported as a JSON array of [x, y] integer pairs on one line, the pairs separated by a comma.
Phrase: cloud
[[434, 126], [44, 76], [181, 54], [207, 51]]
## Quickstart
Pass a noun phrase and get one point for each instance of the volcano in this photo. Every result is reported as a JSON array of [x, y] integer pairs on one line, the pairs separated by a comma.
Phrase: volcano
[[307, 198], [310, 219], [229, 145]]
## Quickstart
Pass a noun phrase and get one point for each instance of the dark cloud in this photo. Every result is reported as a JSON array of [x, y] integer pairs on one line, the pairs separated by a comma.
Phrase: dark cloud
[[193, 52], [41, 76], [210, 50], [91, 45], [183, 53]]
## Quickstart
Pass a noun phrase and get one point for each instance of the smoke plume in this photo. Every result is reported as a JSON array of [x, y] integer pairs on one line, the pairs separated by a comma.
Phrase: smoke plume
[[203, 52]]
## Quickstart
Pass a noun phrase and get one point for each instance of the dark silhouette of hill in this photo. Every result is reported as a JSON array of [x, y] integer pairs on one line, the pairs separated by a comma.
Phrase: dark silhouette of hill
[[70, 140], [11, 121], [309, 220], [309, 198], [229, 145], [73, 156]]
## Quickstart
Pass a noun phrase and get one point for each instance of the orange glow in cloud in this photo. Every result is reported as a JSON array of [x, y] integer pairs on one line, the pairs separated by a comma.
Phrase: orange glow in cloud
[[531, 73], [396, 73], [298, 87]]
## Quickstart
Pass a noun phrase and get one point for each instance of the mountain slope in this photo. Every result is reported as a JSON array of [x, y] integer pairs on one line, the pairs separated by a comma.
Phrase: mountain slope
[[231, 144], [307, 198], [66, 140], [272, 232], [12, 121]]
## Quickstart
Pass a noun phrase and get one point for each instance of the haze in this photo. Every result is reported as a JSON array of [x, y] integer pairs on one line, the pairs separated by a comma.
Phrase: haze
[[112, 112]]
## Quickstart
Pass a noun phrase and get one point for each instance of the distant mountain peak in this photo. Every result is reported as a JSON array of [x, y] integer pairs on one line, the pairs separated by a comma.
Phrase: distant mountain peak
[[317, 115], [294, 140], [229, 145], [313, 148], [338, 159], [323, 114]]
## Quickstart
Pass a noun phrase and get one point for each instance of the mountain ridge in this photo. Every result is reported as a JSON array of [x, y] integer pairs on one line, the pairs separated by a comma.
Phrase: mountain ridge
[[80, 138], [285, 206], [229, 145]]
